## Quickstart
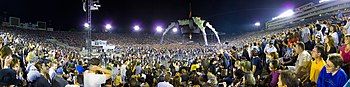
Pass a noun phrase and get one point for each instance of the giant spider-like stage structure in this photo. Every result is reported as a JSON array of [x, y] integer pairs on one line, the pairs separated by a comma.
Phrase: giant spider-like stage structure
[[192, 24]]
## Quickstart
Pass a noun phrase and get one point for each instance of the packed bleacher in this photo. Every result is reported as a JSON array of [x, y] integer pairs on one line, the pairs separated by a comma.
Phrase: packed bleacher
[[309, 55]]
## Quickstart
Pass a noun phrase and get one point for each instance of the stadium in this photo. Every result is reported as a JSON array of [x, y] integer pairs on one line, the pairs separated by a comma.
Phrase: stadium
[[175, 43], [309, 13]]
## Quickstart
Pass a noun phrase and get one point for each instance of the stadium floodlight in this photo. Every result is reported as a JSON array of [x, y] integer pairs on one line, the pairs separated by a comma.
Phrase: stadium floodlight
[[174, 30], [137, 28], [257, 24], [108, 26], [321, 1], [159, 29], [287, 13], [86, 25]]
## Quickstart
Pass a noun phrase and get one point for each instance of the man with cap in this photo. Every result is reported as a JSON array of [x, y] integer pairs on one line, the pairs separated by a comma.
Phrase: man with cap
[[58, 80], [32, 71], [270, 48]]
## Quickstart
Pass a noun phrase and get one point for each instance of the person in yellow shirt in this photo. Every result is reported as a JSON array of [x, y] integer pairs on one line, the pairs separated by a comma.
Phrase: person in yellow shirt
[[118, 80], [317, 63], [194, 65]]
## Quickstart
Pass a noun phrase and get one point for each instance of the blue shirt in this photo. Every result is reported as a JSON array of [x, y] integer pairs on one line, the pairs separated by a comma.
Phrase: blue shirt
[[138, 70], [328, 80], [80, 69], [347, 84], [257, 62]]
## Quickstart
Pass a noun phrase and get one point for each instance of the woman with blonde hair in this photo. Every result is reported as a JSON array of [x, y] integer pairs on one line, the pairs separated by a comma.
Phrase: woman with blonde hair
[[4, 53], [248, 79]]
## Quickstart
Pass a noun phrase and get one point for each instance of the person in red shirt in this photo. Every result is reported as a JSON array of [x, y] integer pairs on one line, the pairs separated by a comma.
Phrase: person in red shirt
[[345, 54]]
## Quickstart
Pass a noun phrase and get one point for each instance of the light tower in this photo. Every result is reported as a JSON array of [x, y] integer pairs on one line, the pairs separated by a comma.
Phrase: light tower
[[88, 6], [257, 24], [137, 28]]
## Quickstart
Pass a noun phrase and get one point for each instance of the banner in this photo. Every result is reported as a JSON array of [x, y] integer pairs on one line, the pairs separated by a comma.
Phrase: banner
[[99, 43], [107, 47], [14, 21]]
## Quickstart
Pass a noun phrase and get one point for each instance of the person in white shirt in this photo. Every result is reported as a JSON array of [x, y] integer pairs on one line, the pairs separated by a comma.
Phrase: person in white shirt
[[52, 70], [123, 71], [303, 63], [255, 46], [270, 48], [305, 34], [324, 27], [303, 55], [163, 83], [115, 70], [33, 72], [249, 48], [347, 26], [334, 34], [91, 78], [319, 32], [177, 67]]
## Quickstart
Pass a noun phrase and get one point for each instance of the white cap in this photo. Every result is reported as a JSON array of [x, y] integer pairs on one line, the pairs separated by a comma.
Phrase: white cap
[[143, 76]]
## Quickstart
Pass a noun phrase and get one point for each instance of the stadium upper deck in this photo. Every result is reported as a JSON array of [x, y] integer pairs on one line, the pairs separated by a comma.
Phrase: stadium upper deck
[[309, 13]]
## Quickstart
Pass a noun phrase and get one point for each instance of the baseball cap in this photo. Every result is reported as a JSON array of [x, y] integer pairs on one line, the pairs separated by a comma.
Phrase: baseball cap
[[59, 71]]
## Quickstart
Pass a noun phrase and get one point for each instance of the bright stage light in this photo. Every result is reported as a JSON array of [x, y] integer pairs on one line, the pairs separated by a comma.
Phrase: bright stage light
[[159, 29], [174, 30], [108, 26], [137, 28], [321, 1], [257, 24], [287, 13], [86, 25]]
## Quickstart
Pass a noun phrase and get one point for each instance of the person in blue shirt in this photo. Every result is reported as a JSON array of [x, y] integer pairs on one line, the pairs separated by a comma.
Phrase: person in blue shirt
[[347, 84], [332, 75], [257, 64]]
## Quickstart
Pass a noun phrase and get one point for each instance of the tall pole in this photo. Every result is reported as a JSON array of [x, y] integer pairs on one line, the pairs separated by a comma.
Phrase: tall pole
[[91, 5], [88, 39], [190, 14], [190, 17]]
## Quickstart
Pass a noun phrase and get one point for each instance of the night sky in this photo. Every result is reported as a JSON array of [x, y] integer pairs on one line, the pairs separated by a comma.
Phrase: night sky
[[229, 16]]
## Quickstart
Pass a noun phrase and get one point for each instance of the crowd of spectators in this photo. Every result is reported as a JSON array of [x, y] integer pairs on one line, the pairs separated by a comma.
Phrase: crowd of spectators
[[313, 54]]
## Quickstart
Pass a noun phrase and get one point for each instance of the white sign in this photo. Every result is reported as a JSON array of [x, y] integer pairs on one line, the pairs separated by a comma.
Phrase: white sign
[[99, 43], [107, 47]]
